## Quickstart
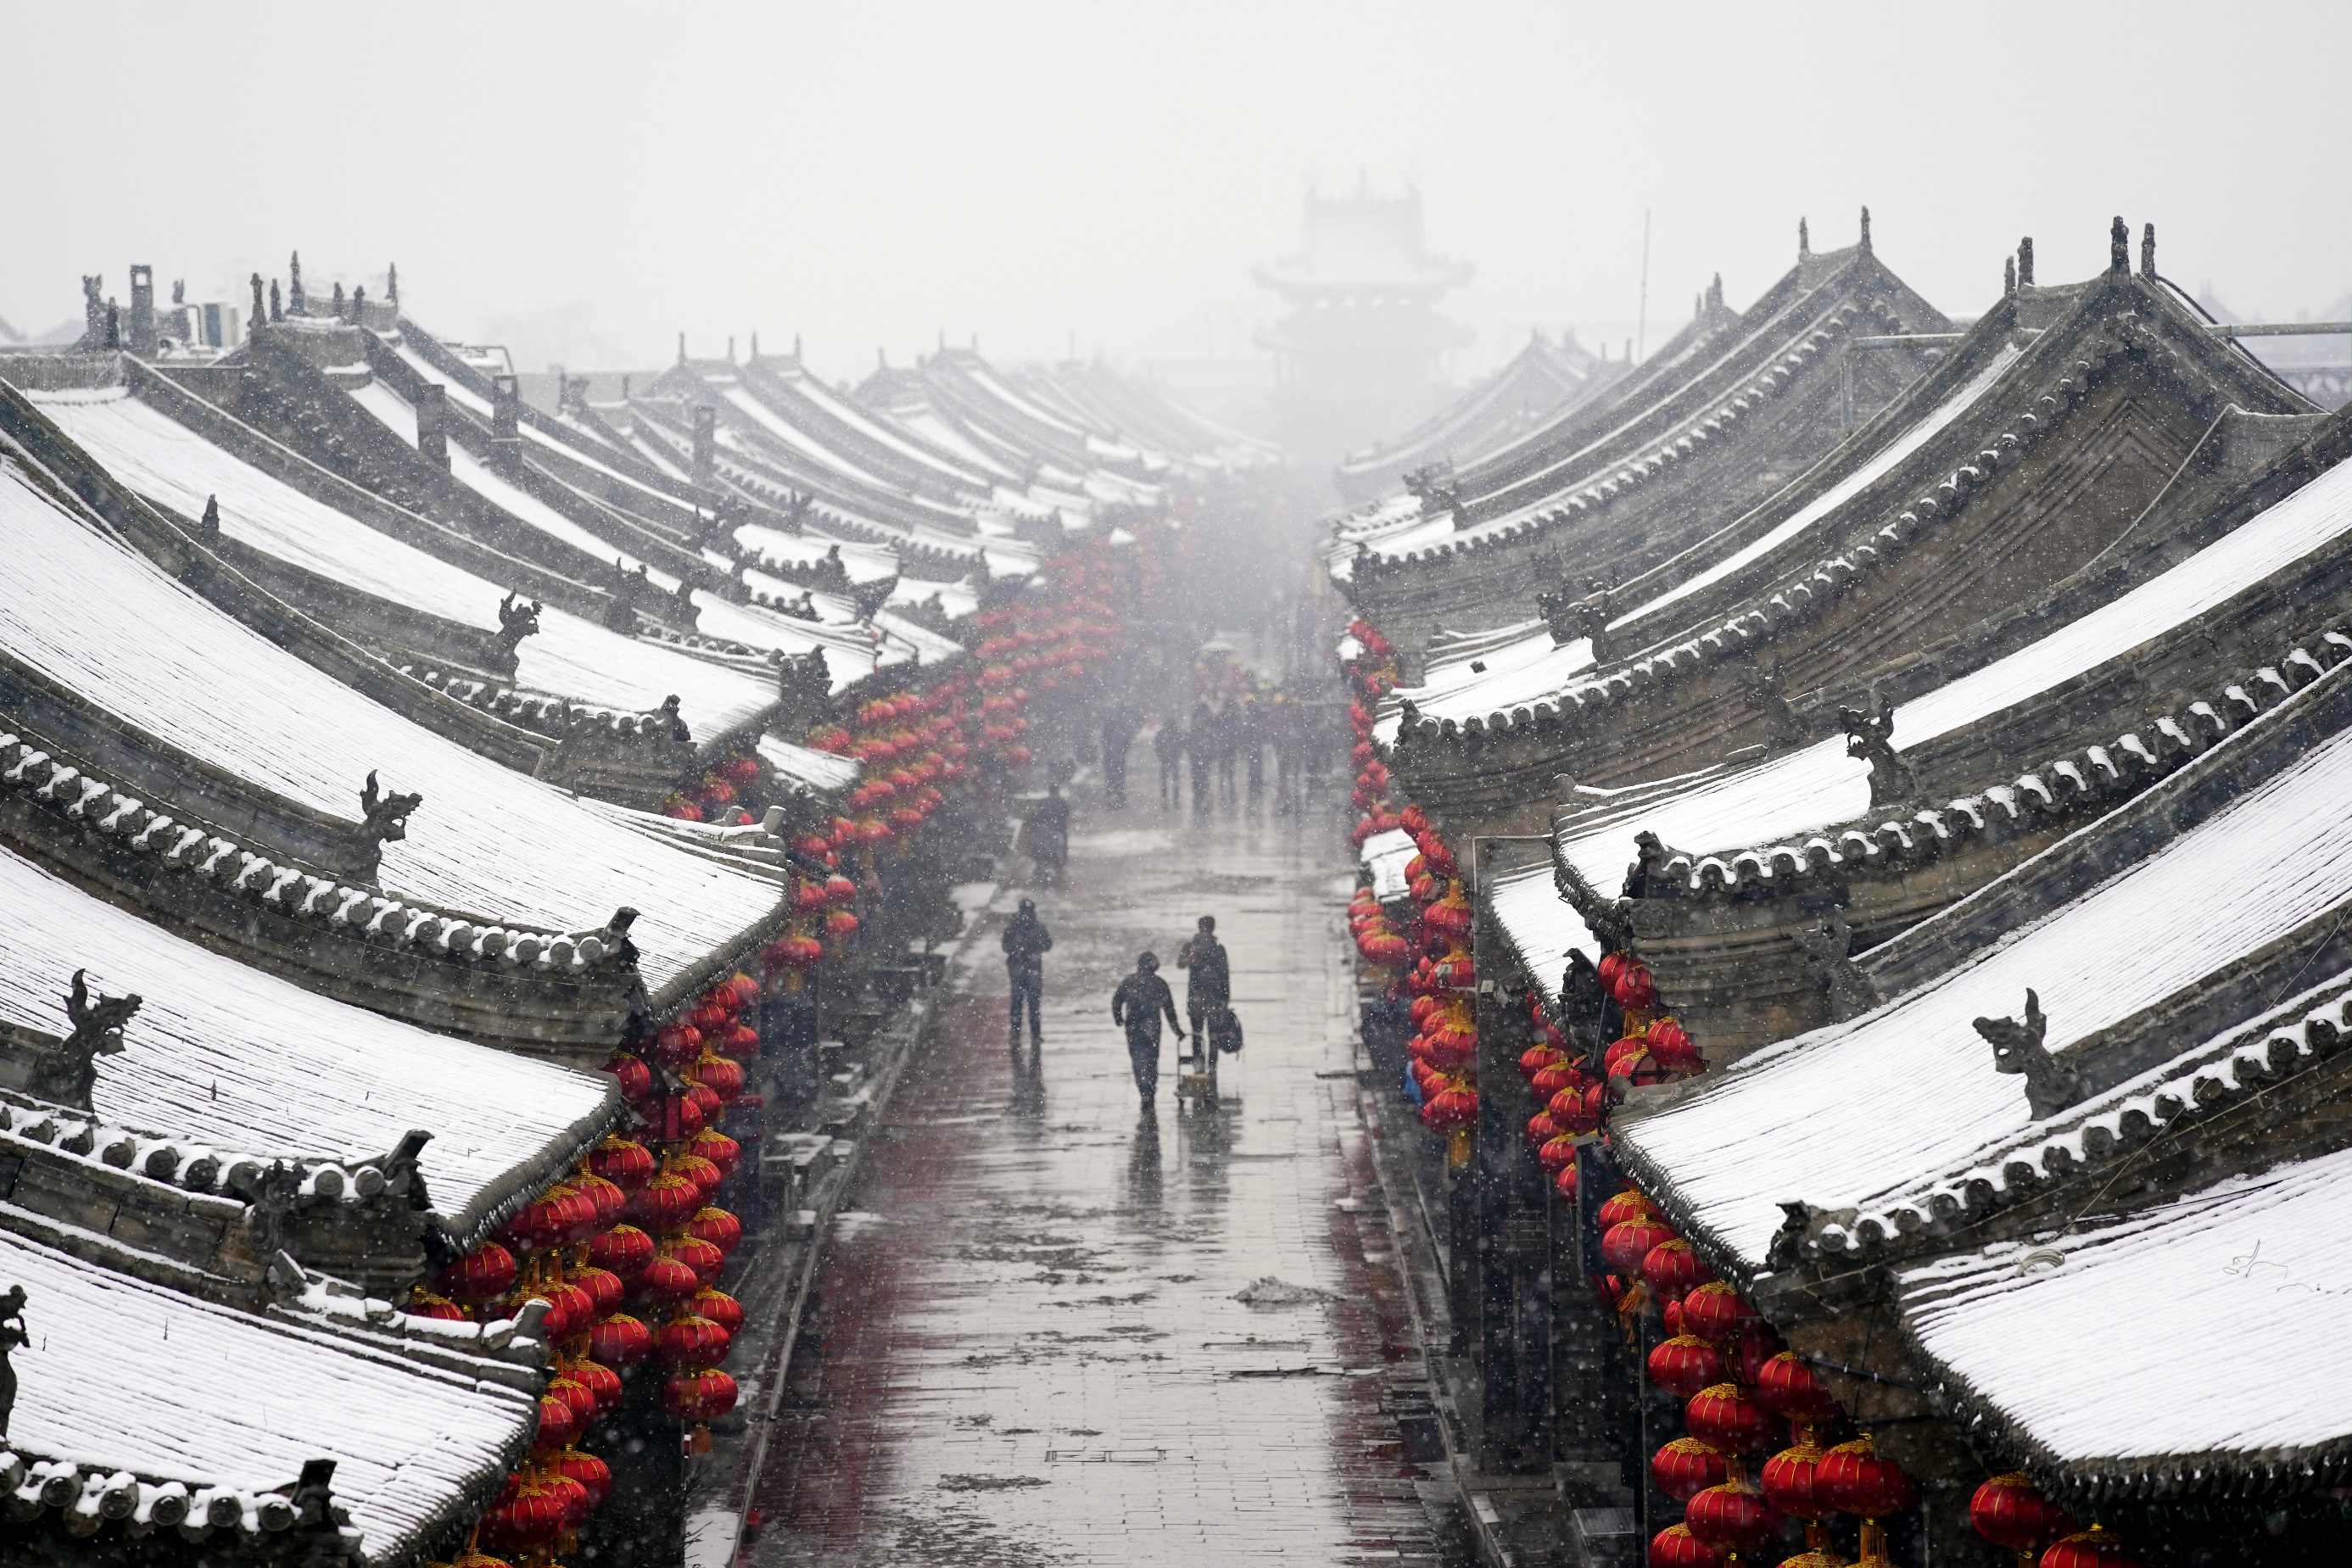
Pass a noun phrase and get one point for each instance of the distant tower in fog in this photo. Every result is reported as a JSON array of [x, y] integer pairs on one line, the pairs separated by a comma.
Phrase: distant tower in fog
[[1357, 355]]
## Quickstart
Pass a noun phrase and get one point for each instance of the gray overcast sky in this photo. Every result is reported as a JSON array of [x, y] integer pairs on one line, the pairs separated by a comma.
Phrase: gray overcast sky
[[596, 177]]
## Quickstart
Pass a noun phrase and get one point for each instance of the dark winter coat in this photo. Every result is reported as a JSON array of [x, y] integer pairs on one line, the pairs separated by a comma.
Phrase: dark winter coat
[[1026, 943], [1203, 957], [1140, 1002]]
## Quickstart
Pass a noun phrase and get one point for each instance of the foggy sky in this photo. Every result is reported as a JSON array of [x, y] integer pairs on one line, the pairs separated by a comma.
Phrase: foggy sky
[[595, 178]]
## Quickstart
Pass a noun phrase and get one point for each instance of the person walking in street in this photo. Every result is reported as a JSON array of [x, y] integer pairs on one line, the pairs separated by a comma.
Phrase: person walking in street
[[1141, 1001], [1200, 741], [1167, 744], [1048, 836], [1210, 986], [1026, 943], [1119, 727]]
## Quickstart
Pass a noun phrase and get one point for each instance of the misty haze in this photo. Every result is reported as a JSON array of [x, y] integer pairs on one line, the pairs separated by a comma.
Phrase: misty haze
[[1050, 784]]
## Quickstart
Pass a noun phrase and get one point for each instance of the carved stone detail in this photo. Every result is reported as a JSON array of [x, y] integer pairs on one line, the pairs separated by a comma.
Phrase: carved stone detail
[[2050, 1086]]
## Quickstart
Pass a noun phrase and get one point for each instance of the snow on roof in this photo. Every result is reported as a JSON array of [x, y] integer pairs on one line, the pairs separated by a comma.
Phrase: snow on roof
[[1385, 856], [471, 471], [740, 397], [1539, 924], [227, 1054], [1864, 475], [1840, 1115], [2159, 1336], [1819, 784], [956, 599], [572, 657], [850, 653], [118, 1374], [806, 766], [84, 610]]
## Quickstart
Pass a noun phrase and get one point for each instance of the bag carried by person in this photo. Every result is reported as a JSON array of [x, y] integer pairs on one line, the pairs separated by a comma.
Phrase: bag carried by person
[[1225, 1032]]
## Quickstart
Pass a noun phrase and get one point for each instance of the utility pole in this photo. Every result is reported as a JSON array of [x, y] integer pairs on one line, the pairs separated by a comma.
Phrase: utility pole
[[1642, 323]]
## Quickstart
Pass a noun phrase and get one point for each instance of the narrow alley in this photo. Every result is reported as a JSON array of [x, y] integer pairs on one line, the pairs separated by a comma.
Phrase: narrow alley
[[1051, 1331]]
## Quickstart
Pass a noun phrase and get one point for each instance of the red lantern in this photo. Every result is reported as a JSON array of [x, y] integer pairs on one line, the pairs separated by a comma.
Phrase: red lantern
[[1791, 1481], [700, 1396], [705, 1100], [718, 1227], [666, 1279], [1572, 1111], [677, 1044], [623, 1250], [557, 1425], [1541, 1130], [625, 1163], [719, 1074], [1564, 1183], [575, 1394], [1715, 1311], [701, 1172], [1559, 1153], [620, 1340], [2092, 1548], [1450, 1109], [1550, 1082], [531, 1512], [720, 1150], [664, 1203], [688, 1341], [1623, 1207], [423, 1303], [607, 1199], [718, 1306], [570, 1310], [1685, 1468], [1787, 1387], [1722, 1416], [604, 1288], [1685, 1364], [840, 924], [1733, 1517], [1855, 1479], [636, 1079], [839, 889], [482, 1275], [698, 1255], [1535, 1060], [1672, 1048], [1623, 1246], [1673, 1269], [679, 1116], [2010, 1511], [585, 1471], [1676, 1547], [603, 1383]]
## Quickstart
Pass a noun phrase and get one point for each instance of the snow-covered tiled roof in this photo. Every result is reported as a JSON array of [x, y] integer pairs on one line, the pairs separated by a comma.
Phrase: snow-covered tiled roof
[[1817, 784], [570, 656], [2161, 1345], [1541, 925], [121, 1375], [227, 1056], [812, 769], [1843, 1116], [85, 611]]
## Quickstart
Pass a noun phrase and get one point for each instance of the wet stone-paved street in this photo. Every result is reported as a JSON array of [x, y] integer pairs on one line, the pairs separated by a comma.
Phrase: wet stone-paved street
[[1028, 1347]]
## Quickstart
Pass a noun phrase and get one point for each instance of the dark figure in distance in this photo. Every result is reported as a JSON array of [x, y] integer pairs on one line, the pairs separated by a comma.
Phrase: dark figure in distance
[[1138, 1006], [1049, 835], [1212, 983], [1026, 943], [1167, 744], [1119, 726], [1229, 746], [1201, 741], [1249, 729]]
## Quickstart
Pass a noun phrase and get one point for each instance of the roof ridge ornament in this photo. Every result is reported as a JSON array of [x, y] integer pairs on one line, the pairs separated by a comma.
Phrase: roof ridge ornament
[[2119, 246], [65, 1073], [384, 820], [2025, 262], [1804, 241], [2050, 1085], [209, 526], [12, 1333], [1864, 242], [2009, 278], [1870, 738], [517, 621], [2147, 252]]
